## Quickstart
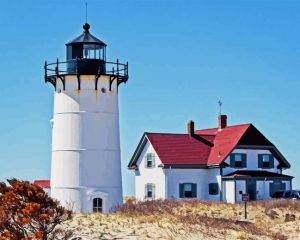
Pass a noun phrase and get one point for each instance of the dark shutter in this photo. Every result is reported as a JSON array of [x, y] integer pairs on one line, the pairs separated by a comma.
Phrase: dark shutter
[[153, 191], [181, 190], [232, 160], [271, 158], [283, 187], [194, 190], [146, 191], [146, 160], [260, 161], [210, 188], [244, 160], [271, 189], [213, 189]]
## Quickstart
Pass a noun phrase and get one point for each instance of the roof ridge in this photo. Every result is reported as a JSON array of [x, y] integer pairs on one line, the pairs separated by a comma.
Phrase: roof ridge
[[166, 133], [231, 126]]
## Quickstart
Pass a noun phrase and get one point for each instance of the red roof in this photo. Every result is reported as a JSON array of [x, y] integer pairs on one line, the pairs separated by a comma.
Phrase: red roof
[[179, 148], [42, 183], [183, 149], [224, 141]]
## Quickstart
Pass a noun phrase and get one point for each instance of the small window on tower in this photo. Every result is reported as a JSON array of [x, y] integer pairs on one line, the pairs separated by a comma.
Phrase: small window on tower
[[150, 160], [97, 205]]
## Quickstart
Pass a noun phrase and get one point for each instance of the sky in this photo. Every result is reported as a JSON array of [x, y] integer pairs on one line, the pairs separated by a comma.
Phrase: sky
[[183, 56]]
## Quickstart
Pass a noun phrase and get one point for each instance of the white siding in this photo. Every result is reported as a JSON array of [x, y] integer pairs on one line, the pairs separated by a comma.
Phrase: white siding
[[229, 195], [240, 185], [252, 161], [202, 177], [149, 175], [262, 189], [167, 180], [86, 144]]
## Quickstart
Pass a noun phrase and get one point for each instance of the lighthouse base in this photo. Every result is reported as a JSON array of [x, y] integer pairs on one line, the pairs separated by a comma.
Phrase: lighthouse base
[[87, 200]]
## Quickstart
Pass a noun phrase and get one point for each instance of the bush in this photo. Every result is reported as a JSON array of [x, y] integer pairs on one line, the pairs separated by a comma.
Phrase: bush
[[27, 212]]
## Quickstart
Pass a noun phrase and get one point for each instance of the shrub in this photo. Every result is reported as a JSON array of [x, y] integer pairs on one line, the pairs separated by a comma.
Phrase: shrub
[[27, 212]]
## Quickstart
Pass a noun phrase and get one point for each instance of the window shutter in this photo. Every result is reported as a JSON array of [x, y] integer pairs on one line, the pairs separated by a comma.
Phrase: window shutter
[[146, 160], [283, 187], [210, 188], [213, 188], [217, 188], [271, 161], [260, 160], [181, 193], [194, 190], [153, 191], [271, 189], [153, 159], [146, 191], [232, 161], [244, 160]]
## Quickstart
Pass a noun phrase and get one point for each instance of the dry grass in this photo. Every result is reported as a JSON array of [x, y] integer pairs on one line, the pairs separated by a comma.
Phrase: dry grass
[[209, 214], [171, 219]]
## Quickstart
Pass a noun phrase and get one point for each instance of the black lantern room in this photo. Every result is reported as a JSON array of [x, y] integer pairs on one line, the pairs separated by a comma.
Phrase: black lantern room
[[86, 54]]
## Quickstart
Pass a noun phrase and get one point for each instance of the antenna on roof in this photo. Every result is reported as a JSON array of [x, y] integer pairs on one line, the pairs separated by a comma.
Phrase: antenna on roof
[[220, 106], [86, 11]]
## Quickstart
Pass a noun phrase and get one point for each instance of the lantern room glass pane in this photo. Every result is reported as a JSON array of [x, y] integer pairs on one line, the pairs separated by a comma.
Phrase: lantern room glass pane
[[91, 51]]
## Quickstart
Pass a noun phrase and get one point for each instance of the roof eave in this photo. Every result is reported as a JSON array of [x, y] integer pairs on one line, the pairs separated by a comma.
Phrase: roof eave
[[138, 151], [190, 166]]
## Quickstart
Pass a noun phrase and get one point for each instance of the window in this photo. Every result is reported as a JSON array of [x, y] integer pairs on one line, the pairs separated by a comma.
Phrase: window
[[265, 161], [238, 160], [150, 160], [150, 191], [91, 51], [276, 187], [97, 205], [187, 190], [288, 194], [213, 188]]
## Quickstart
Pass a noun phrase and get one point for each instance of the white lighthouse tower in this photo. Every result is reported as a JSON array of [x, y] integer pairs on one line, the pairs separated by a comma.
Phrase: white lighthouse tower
[[86, 160]]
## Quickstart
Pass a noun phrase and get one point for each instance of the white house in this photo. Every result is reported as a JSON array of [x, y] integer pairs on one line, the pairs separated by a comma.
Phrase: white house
[[211, 164]]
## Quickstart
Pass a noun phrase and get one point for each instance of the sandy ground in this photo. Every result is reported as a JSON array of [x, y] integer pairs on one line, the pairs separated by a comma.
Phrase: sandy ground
[[274, 223]]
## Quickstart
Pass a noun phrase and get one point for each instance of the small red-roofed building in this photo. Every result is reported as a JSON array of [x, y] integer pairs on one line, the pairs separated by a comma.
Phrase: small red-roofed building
[[218, 164], [45, 184]]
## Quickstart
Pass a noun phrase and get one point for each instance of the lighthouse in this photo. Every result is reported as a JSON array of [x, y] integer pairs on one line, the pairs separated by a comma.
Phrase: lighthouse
[[86, 159]]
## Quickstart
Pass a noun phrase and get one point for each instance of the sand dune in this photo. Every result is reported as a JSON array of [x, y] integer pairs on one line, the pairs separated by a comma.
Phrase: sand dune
[[191, 220]]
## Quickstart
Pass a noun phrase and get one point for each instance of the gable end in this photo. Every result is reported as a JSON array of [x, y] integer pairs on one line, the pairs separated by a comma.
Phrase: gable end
[[138, 151]]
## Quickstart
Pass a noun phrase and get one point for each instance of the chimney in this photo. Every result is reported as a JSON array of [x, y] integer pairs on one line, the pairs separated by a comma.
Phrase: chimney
[[191, 128], [222, 121]]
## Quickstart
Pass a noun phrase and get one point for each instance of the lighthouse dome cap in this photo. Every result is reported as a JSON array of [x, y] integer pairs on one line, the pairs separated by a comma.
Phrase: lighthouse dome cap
[[87, 38]]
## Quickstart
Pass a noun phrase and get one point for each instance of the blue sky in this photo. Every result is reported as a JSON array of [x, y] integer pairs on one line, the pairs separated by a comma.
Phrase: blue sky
[[183, 56]]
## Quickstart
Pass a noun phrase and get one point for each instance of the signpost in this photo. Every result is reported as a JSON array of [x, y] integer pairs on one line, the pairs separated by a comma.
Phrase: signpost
[[245, 199]]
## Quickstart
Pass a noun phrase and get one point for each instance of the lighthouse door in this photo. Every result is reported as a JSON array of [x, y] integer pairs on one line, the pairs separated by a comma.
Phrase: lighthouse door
[[97, 205]]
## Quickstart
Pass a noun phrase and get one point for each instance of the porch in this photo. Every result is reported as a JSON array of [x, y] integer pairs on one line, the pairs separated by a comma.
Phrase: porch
[[260, 185]]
